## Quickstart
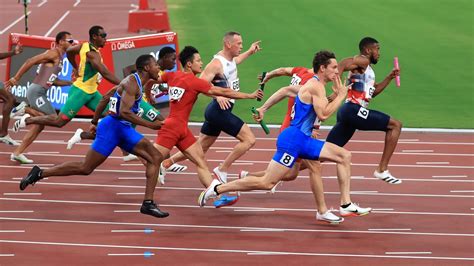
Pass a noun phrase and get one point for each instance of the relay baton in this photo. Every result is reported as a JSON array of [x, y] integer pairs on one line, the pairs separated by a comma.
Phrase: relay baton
[[395, 64], [262, 123], [262, 86]]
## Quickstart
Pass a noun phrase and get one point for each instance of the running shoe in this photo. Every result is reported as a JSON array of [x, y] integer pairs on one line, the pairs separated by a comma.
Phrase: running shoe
[[20, 123], [353, 210], [161, 174], [226, 200], [8, 140], [222, 176], [329, 217], [76, 138], [19, 110], [130, 157], [33, 176], [176, 168], [21, 158], [387, 177], [150, 208], [209, 193]]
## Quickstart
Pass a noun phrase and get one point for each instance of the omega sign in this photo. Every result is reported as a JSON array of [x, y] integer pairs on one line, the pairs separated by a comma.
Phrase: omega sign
[[122, 45]]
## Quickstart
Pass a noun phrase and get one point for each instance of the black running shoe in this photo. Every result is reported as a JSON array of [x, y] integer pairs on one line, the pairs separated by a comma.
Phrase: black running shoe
[[153, 210], [33, 176]]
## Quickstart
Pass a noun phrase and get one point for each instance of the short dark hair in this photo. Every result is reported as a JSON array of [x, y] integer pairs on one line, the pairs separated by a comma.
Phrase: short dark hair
[[94, 30], [142, 61], [61, 35], [165, 51], [366, 41], [322, 58], [231, 33], [187, 55]]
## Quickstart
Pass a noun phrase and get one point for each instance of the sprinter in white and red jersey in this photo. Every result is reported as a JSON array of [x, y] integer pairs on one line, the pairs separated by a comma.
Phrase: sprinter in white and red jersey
[[354, 113]]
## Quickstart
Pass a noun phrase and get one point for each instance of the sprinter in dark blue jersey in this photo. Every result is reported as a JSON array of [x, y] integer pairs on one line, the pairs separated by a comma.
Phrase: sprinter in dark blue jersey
[[296, 143], [116, 130]]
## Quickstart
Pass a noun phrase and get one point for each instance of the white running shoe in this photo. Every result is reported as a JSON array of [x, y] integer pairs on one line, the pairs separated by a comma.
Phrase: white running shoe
[[387, 177], [209, 193], [329, 217], [8, 140], [20, 123], [129, 157], [19, 110], [353, 210], [161, 174], [176, 168], [222, 176], [21, 158], [76, 138]]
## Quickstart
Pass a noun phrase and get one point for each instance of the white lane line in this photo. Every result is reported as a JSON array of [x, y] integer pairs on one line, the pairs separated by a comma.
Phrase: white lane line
[[77, 3], [408, 253], [449, 176], [7, 255], [132, 178], [131, 164], [390, 229], [382, 209], [417, 150], [462, 191], [408, 140], [264, 230], [57, 23], [255, 210], [13, 23], [16, 211], [12, 231], [133, 231], [363, 192], [129, 193], [200, 226], [230, 207], [42, 152], [231, 250], [430, 163], [22, 194], [126, 211], [42, 3], [20, 178], [131, 254]]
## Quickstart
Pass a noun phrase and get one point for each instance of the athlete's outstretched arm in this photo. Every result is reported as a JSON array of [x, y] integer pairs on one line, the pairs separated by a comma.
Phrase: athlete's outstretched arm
[[48, 56], [379, 87], [218, 91], [102, 104], [96, 62], [282, 93], [208, 74], [255, 47], [71, 53], [278, 72], [18, 49], [353, 63]]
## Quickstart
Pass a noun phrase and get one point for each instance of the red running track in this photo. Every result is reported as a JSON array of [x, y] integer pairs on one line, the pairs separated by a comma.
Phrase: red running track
[[427, 220]]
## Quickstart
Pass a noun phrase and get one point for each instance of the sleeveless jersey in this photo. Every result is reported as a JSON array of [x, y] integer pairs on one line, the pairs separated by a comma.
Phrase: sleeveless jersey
[[89, 78], [46, 75], [230, 78], [114, 104], [362, 88], [304, 116]]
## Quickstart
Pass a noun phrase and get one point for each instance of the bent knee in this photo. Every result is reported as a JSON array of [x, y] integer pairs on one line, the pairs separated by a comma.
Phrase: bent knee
[[395, 124], [86, 170], [346, 156]]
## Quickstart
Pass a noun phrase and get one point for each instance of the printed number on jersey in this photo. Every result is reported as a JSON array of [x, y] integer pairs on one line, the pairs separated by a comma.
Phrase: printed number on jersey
[[286, 159], [235, 85], [292, 114], [113, 104], [364, 113], [176, 93], [295, 80]]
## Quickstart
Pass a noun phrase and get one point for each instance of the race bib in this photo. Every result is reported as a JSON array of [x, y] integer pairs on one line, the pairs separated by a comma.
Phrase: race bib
[[113, 105], [235, 85], [292, 114], [51, 79], [151, 114], [295, 80], [364, 113], [99, 78], [286, 159], [369, 92], [140, 112], [40, 102], [176, 93]]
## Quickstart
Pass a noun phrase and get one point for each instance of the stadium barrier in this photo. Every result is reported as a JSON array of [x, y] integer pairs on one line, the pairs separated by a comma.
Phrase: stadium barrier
[[117, 55]]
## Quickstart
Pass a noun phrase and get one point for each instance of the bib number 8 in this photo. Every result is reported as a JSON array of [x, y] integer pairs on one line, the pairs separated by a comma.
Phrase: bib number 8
[[287, 159]]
